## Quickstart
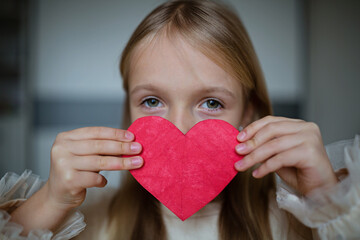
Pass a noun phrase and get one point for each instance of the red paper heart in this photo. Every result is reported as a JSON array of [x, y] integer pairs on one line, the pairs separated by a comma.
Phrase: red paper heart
[[185, 172]]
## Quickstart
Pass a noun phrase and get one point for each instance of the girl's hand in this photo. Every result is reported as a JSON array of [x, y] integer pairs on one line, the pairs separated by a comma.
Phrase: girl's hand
[[292, 148], [77, 157]]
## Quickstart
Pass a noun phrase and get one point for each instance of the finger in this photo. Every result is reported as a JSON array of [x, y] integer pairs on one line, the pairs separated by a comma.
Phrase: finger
[[103, 147], [99, 133], [268, 150], [106, 163], [291, 158], [249, 131], [81, 179], [266, 133]]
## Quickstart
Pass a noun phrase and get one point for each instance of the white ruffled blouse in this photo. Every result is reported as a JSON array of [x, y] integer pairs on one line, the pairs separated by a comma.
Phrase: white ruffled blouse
[[334, 214]]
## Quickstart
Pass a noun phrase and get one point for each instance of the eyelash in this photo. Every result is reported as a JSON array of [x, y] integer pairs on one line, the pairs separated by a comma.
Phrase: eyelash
[[147, 99], [221, 106]]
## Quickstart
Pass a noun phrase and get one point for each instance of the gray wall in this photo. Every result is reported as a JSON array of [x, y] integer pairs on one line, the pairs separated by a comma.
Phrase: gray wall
[[78, 44], [333, 91]]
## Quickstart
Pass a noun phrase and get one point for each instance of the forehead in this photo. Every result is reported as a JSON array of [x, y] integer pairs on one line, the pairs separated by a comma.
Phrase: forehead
[[174, 62]]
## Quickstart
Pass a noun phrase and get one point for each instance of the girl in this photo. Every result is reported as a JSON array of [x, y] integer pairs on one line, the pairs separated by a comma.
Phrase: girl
[[189, 61]]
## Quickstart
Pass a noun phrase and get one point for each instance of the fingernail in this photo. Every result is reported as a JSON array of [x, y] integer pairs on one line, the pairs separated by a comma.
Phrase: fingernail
[[242, 135], [129, 135], [239, 165], [136, 161], [255, 173], [240, 147], [135, 147]]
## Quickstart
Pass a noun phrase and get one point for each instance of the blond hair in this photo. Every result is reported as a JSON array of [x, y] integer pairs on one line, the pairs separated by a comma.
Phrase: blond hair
[[219, 34]]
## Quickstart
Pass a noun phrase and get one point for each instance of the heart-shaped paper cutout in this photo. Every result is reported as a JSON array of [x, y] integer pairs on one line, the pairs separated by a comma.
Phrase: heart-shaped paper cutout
[[185, 172]]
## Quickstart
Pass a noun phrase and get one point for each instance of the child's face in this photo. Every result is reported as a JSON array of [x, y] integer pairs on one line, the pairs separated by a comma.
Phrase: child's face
[[177, 82]]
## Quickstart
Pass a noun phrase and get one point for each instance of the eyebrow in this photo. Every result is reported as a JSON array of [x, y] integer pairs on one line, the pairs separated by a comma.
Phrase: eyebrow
[[151, 87]]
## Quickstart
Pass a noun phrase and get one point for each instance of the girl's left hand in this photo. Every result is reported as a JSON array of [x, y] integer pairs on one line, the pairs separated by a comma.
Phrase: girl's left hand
[[290, 147]]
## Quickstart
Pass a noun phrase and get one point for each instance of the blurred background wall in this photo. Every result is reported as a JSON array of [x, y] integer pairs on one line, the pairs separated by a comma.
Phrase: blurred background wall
[[59, 67]]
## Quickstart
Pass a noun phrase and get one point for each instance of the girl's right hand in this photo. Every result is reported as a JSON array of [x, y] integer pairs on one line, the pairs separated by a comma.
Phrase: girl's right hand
[[77, 156]]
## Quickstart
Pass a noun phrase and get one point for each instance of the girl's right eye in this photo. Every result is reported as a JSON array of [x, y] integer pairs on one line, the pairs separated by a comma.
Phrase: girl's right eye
[[151, 103]]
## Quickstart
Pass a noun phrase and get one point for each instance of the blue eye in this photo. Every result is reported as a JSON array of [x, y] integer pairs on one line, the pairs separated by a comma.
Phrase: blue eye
[[212, 104], [151, 102]]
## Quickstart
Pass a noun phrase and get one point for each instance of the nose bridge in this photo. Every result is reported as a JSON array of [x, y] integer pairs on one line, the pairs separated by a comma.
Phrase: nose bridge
[[182, 118]]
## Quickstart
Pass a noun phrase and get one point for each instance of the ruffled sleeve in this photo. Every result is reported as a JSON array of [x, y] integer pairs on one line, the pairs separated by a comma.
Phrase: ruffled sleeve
[[14, 190], [335, 213]]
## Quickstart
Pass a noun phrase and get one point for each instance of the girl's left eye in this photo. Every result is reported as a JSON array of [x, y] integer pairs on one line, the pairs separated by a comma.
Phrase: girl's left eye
[[212, 104], [152, 103]]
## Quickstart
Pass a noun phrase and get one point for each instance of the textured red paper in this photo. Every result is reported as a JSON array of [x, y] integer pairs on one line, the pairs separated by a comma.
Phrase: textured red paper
[[185, 172]]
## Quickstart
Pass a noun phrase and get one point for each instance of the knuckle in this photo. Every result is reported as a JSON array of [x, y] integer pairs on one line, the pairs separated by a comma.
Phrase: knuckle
[[91, 131], [61, 163], [68, 178], [271, 127], [279, 159], [282, 118], [60, 136], [268, 117], [250, 158], [126, 163], [309, 149], [300, 120], [122, 163], [254, 142], [271, 165], [264, 167], [124, 147], [250, 127], [271, 118], [255, 156], [98, 145], [57, 149], [101, 162], [97, 131], [313, 126], [275, 143], [78, 196], [117, 134], [87, 129], [73, 192]]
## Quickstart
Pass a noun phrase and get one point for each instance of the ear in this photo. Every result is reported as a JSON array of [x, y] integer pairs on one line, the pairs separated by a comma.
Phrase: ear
[[248, 115]]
